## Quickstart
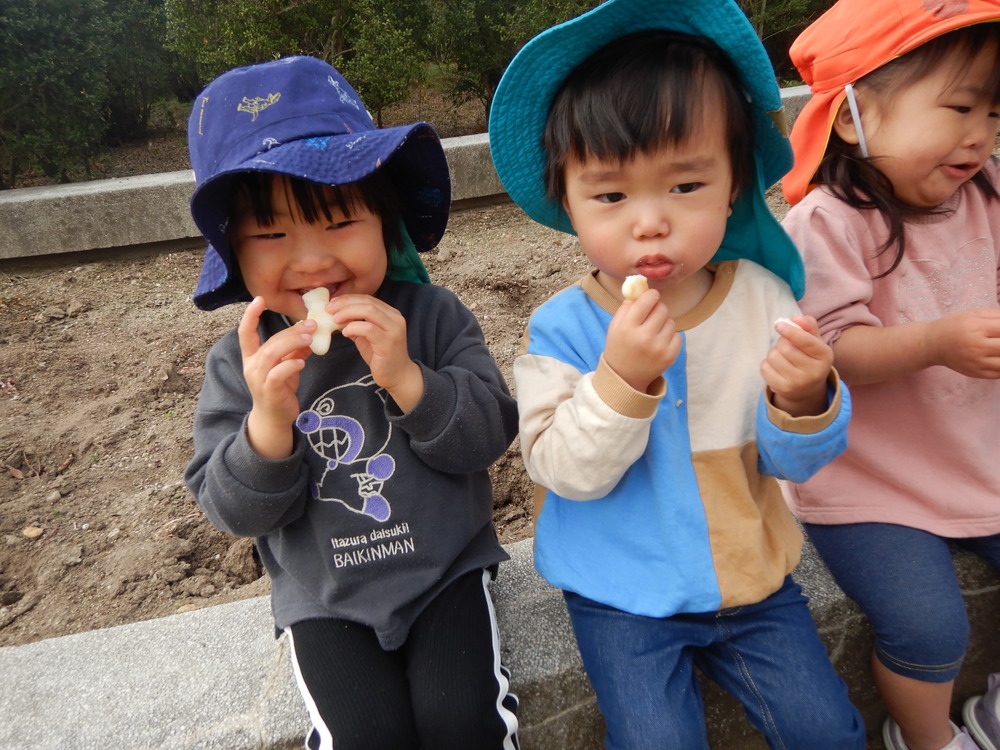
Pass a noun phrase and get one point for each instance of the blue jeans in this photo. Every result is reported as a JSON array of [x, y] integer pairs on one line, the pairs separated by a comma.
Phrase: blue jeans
[[904, 581], [768, 655]]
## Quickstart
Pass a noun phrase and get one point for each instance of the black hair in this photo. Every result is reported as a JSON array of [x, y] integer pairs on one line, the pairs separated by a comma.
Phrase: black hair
[[857, 180], [375, 192], [641, 92]]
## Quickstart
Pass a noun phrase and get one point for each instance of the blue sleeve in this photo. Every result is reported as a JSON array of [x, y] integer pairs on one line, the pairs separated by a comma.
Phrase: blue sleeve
[[796, 456]]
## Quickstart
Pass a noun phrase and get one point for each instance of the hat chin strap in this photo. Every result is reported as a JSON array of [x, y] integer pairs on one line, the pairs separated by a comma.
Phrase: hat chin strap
[[852, 103]]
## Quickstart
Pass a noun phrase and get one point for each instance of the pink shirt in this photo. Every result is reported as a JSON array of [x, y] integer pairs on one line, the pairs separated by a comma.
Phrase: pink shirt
[[923, 449]]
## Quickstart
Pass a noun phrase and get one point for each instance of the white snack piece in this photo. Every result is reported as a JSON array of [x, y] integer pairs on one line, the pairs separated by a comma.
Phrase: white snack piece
[[315, 301], [790, 322], [634, 285]]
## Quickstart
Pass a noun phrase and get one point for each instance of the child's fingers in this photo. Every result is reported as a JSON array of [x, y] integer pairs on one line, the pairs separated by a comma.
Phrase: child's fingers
[[289, 344], [640, 307], [802, 333], [247, 329]]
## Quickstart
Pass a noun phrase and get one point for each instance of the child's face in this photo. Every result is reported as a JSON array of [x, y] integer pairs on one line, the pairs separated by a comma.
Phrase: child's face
[[663, 214], [935, 134], [281, 261]]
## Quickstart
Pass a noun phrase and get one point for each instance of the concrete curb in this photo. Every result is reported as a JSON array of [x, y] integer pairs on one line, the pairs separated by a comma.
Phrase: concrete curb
[[217, 678]]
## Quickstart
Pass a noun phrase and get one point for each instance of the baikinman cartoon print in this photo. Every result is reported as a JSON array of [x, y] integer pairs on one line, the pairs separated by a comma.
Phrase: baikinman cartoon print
[[342, 440]]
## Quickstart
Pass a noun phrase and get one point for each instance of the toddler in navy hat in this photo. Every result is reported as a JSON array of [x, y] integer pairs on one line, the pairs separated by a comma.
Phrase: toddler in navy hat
[[360, 465], [663, 395]]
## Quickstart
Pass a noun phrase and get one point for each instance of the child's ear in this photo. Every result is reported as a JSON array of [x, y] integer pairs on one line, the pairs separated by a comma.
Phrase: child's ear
[[565, 205], [843, 125]]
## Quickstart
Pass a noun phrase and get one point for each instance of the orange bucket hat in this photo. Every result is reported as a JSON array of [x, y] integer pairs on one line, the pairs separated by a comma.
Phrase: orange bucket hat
[[849, 41]]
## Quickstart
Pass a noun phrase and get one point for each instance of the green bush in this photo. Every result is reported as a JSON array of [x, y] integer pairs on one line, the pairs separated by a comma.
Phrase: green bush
[[476, 39], [378, 46], [53, 84], [137, 66], [778, 22]]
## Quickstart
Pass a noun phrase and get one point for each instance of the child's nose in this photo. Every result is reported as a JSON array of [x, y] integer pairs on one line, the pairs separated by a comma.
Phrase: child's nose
[[651, 220], [312, 256], [983, 133]]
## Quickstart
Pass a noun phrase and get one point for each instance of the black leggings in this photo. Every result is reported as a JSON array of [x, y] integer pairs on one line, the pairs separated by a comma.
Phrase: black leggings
[[444, 689]]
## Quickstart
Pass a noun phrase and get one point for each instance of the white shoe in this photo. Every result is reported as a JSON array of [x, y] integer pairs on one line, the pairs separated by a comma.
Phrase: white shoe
[[892, 736], [981, 715]]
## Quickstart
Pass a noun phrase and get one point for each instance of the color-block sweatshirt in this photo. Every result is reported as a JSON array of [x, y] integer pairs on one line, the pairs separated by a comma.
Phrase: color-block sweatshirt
[[922, 447], [375, 512], [667, 503]]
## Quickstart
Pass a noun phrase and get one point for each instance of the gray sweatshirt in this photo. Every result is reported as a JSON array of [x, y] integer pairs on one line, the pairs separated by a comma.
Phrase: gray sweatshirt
[[375, 511]]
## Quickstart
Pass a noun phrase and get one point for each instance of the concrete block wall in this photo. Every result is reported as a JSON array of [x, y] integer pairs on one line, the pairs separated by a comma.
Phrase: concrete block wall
[[152, 210], [216, 677]]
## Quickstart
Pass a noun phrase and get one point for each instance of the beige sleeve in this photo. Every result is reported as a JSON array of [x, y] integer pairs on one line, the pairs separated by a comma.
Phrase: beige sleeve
[[579, 432]]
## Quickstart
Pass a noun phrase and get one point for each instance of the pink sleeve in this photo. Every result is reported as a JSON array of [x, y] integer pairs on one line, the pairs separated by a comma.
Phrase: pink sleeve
[[833, 244]]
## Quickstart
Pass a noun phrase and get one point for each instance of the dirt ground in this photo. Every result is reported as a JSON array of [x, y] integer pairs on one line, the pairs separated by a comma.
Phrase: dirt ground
[[100, 370]]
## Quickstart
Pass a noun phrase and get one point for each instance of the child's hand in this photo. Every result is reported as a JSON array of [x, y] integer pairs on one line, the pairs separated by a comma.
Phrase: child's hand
[[271, 370], [378, 331], [642, 340], [797, 366], [968, 342]]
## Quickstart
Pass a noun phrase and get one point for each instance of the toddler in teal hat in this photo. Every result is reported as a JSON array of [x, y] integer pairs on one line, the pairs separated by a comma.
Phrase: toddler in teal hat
[[657, 423]]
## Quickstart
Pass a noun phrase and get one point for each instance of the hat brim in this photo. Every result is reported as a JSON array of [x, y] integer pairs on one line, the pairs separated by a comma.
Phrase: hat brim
[[412, 154], [816, 117], [524, 96]]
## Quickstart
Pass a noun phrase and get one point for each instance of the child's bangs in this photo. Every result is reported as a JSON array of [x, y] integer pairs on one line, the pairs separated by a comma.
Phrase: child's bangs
[[644, 92], [623, 120], [315, 201], [312, 199]]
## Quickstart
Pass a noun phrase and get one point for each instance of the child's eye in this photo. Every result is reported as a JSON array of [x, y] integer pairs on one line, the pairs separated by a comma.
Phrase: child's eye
[[269, 236], [685, 187], [340, 224], [611, 197], [962, 110]]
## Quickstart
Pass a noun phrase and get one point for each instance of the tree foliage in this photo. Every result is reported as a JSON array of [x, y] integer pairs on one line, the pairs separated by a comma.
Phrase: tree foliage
[[137, 65], [378, 46], [74, 72], [476, 39], [387, 56], [778, 22], [53, 85]]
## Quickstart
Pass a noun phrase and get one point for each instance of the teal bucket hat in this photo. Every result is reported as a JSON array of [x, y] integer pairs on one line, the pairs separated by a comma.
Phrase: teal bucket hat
[[533, 78]]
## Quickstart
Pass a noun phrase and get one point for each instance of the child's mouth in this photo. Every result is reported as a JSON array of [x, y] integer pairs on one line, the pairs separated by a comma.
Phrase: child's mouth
[[331, 287], [659, 268], [960, 171]]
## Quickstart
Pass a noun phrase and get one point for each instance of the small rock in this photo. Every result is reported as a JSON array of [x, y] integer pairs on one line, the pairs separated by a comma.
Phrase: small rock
[[53, 497], [75, 308], [32, 532], [50, 313]]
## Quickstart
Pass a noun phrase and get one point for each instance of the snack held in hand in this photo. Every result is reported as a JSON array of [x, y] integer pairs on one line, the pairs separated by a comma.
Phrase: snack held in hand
[[315, 301], [634, 286], [789, 321]]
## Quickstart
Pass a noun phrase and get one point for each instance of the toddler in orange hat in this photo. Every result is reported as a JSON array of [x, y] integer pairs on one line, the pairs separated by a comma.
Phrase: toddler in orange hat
[[895, 210]]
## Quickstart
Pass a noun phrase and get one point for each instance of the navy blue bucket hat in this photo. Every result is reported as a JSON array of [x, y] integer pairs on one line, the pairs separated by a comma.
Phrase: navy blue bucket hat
[[529, 85], [299, 117]]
